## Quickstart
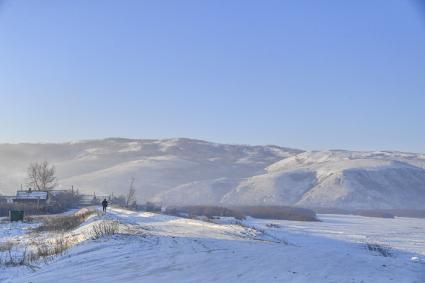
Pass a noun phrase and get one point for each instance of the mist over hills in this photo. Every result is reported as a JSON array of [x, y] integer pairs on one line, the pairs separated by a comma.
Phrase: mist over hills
[[187, 171]]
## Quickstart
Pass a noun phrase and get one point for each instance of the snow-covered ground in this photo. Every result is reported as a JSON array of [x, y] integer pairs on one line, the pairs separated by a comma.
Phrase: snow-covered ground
[[162, 248]]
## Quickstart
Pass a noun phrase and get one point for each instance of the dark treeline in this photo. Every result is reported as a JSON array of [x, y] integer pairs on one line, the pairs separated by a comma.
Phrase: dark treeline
[[382, 213], [241, 212]]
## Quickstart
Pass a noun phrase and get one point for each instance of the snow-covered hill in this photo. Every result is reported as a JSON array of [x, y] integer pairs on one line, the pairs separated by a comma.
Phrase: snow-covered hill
[[338, 179], [186, 171], [107, 166]]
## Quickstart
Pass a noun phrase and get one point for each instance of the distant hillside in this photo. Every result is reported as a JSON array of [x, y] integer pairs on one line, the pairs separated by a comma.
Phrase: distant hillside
[[340, 179], [186, 171], [157, 165]]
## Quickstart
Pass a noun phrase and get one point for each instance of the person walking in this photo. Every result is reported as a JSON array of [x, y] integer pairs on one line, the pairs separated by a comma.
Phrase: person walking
[[104, 205]]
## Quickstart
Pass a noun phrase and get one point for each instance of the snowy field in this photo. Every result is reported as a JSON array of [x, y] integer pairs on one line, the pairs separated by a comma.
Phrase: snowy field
[[159, 248]]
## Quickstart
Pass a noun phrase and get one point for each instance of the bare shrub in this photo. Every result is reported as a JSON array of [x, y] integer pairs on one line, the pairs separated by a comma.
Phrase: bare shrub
[[86, 212], [65, 222], [11, 255], [29, 219], [104, 228], [42, 250], [4, 247], [60, 244], [56, 246], [59, 223], [32, 256]]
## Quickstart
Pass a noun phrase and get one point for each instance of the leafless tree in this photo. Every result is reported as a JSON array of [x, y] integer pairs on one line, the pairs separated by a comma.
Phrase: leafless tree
[[41, 176], [131, 196]]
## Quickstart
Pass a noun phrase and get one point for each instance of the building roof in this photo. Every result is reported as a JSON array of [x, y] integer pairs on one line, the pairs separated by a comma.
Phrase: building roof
[[42, 195]]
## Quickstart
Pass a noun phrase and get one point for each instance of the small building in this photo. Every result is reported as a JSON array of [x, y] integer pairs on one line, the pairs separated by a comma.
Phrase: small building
[[7, 199], [29, 196]]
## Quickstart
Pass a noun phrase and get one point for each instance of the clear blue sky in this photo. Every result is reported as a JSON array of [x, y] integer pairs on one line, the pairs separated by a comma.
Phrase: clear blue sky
[[305, 74]]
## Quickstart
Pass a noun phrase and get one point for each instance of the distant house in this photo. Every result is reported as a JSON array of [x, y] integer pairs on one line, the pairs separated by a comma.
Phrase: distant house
[[7, 199], [29, 196], [49, 198]]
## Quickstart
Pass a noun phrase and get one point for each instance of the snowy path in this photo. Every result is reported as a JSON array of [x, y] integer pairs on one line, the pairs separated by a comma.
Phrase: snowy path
[[171, 249]]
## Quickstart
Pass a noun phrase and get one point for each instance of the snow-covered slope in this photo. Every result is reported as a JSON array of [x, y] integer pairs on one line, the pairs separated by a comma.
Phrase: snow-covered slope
[[161, 248], [185, 171], [338, 179], [341, 179], [106, 166]]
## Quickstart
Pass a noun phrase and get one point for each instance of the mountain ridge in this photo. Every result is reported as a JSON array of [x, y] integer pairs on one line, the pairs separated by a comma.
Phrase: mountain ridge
[[191, 171]]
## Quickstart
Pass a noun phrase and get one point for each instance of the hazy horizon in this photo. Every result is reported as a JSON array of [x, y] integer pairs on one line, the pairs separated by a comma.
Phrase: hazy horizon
[[212, 141]]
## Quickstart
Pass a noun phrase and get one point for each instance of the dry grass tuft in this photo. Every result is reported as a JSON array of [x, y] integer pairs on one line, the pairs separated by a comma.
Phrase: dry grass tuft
[[105, 228], [62, 223], [57, 242], [11, 255]]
